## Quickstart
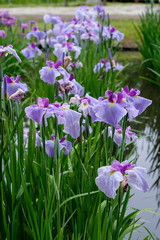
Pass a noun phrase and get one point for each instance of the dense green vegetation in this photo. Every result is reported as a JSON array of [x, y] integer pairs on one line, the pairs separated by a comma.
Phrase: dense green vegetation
[[44, 197], [148, 32]]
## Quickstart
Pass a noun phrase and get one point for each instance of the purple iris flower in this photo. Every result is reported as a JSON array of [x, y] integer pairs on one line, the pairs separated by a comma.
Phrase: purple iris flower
[[12, 86], [2, 34], [135, 101], [32, 22], [105, 65], [71, 120], [23, 26], [50, 41], [98, 7], [8, 50], [36, 33], [112, 32], [36, 112], [82, 13], [100, 11], [31, 51], [62, 49], [63, 143], [70, 85], [86, 105], [91, 36], [26, 135], [118, 134], [7, 19], [110, 177], [51, 71], [51, 19], [110, 110], [73, 65]]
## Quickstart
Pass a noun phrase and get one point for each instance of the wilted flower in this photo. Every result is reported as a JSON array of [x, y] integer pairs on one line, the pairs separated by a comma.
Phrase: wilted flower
[[15, 89], [8, 50], [70, 85], [61, 50], [110, 177]]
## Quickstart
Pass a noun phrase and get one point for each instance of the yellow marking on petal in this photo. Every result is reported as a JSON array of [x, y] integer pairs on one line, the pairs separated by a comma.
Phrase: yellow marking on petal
[[53, 141], [112, 103], [122, 99], [50, 67], [136, 96], [64, 108], [13, 83], [112, 172], [84, 104]]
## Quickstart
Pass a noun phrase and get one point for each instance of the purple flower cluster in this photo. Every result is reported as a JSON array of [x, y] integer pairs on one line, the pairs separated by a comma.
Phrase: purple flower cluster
[[113, 107], [67, 39], [7, 19], [69, 118], [105, 65], [118, 134]]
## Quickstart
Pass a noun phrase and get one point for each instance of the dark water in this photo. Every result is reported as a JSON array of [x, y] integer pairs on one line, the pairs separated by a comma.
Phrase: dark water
[[148, 147]]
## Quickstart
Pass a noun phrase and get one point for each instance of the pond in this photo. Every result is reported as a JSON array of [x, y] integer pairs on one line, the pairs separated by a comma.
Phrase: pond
[[148, 147]]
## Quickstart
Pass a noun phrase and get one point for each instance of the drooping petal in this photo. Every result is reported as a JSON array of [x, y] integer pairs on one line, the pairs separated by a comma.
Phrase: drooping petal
[[108, 182], [48, 74], [139, 103], [137, 178], [67, 145], [109, 112]]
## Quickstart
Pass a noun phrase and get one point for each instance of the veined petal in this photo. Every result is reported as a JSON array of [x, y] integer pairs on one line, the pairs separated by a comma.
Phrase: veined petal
[[108, 182], [137, 178], [139, 103], [110, 113], [49, 75]]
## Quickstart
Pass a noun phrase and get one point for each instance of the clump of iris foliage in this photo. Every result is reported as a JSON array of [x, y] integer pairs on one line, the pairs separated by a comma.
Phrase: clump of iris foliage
[[65, 114], [149, 45]]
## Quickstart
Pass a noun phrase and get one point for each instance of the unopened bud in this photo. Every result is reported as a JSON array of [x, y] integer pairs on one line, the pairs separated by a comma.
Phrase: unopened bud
[[125, 184], [113, 64], [67, 60]]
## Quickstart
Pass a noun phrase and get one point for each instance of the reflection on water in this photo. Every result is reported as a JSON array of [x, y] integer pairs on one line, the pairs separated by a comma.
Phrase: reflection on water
[[148, 148]]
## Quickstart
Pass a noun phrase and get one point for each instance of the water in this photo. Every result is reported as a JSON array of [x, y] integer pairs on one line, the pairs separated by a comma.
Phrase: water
[[148, 148]]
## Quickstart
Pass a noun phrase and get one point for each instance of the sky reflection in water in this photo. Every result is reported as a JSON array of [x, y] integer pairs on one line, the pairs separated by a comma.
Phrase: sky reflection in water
[[148, 148]]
